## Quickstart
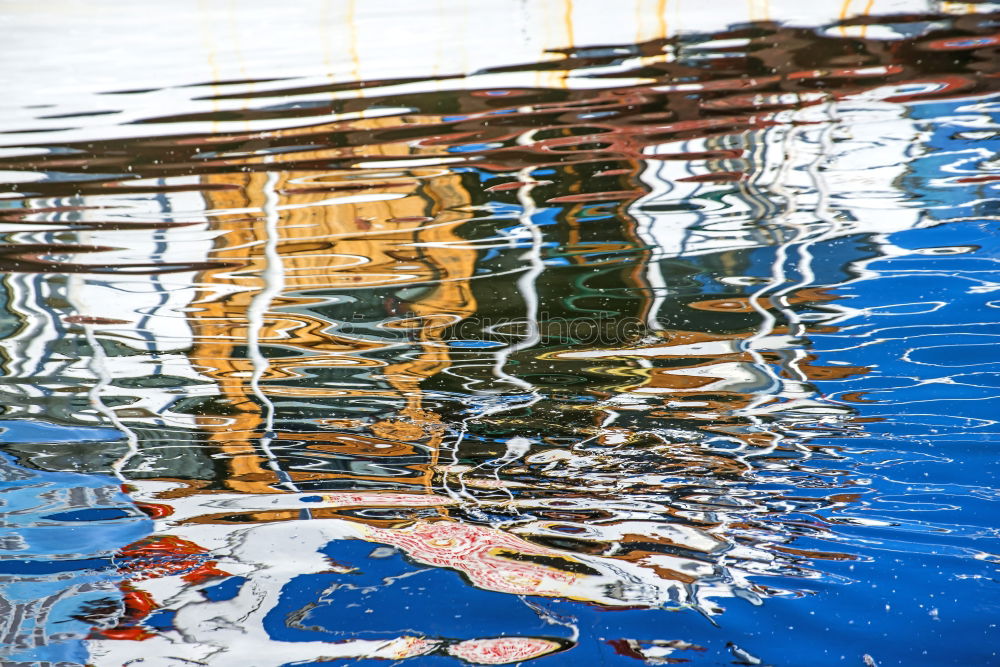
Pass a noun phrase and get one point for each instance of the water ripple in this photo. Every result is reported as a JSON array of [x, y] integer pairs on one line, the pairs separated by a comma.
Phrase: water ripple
[[447, 364]]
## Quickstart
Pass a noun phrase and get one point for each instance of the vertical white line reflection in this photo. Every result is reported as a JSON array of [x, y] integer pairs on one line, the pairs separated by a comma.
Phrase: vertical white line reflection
[[645, 230], [780, 287], [273, 276], [830, 226], [525, 284], [777, 278], [529, 294], [99, 365]]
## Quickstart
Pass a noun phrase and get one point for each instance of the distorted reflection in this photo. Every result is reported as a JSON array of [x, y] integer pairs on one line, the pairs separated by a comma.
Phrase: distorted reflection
[[442, 370]]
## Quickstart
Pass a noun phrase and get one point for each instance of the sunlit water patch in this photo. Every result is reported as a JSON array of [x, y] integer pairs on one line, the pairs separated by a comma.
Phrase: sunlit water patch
[[677, 350]]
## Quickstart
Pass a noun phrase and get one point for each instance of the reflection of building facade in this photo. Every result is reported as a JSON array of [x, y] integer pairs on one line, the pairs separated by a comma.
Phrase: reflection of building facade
[[54, 303], [98, 332], [329, 401], [336, 261], [225, 49], [285, 227]]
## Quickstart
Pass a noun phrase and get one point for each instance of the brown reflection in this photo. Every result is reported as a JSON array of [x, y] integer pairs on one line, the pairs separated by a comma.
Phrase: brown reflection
[[329, 246], [687, 95]]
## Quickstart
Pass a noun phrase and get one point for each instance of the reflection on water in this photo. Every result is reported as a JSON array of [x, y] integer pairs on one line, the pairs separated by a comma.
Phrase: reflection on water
[[700, 330]]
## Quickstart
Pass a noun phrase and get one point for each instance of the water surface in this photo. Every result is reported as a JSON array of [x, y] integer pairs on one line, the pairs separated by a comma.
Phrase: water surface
[[678, 350]]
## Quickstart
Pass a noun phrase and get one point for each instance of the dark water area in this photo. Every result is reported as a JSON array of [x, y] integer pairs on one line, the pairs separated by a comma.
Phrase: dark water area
[[687, 354]]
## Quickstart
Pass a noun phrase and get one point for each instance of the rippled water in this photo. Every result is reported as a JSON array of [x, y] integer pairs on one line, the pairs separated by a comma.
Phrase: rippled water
[[676, 351]]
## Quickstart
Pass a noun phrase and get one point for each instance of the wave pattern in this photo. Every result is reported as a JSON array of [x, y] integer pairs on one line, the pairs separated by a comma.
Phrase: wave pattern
[[702, 331]]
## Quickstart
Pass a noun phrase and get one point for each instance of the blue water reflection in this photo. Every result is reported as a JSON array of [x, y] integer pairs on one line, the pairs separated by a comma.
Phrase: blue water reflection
[[59, 536]]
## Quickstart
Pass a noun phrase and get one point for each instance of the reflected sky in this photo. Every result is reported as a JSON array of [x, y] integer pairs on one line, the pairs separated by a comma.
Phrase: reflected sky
[[671, 347]]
